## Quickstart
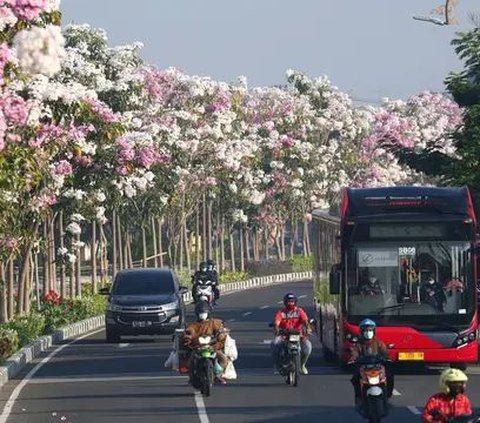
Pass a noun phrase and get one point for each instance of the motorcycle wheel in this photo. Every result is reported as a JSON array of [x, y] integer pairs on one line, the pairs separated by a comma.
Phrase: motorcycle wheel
[[375, 409], [208, 379]]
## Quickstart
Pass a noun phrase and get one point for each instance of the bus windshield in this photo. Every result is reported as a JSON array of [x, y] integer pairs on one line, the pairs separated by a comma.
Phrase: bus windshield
[[397, 281]]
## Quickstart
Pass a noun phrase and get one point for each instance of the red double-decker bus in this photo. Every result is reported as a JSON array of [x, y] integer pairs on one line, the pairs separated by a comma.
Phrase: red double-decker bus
[[404, 257]]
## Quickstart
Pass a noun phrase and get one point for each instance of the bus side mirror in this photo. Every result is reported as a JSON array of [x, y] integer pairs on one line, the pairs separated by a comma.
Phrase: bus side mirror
[[335, 279]]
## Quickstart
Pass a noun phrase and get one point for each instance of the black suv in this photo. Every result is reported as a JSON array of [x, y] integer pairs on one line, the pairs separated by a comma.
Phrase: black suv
[[147, 301]]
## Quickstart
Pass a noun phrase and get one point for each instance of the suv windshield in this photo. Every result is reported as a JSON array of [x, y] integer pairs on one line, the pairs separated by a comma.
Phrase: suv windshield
[[143, 283], [392, 280]]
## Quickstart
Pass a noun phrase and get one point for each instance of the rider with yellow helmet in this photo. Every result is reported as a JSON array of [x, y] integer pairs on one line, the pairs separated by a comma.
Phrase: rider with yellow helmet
[[451, 402]]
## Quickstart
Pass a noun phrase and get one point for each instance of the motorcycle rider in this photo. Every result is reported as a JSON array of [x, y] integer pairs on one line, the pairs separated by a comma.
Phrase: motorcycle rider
[[451, 402], [367, 345], [206, 326], [292, 317], [207, 272]]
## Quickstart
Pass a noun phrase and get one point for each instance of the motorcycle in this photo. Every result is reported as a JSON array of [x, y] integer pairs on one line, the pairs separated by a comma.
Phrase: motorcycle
[[460, 419], [204, 360], [204, 292], [373, 388], [289, 360]]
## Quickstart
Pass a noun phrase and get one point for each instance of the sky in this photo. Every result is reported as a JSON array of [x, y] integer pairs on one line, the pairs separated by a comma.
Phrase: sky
[[370, 49]]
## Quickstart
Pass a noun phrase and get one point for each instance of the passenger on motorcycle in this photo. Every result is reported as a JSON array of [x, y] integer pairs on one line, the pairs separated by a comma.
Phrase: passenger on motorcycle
[[368, 344], [206, 326], [207, 272], [451, 402], [292, 317]]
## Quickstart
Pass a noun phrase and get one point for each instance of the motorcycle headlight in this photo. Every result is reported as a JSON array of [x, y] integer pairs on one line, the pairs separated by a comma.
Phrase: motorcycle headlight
[[204, 340], [113, 307], [169, 306], [374, 380], [294, 338]]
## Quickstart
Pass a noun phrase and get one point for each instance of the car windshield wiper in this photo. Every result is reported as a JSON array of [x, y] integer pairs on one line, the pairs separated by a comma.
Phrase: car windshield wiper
[[392, 307]]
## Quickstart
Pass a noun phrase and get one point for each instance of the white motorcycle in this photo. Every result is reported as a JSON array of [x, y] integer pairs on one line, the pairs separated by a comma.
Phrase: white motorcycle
[[204, 293]]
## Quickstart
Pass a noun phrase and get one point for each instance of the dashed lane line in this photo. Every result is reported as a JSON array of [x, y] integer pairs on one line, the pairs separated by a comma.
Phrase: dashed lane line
[[123, 345], [201, 409], [414, 410], [396, 393], [264, 307], [246, 314]]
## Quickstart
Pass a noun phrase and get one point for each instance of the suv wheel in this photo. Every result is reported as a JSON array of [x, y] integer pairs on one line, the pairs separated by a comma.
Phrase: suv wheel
[[111, 335]]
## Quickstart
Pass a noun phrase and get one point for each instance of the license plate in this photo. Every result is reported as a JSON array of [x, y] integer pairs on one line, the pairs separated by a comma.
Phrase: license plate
[[413, 356], [141, 324]]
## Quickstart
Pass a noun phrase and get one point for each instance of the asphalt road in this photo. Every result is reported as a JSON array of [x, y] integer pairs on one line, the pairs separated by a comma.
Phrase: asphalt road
[[90, 381]]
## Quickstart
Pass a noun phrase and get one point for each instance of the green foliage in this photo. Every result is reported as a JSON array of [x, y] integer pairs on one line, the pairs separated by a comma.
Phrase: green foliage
[[28, 327], [226, 277], [9, 343], [184, 277], [301, 263]]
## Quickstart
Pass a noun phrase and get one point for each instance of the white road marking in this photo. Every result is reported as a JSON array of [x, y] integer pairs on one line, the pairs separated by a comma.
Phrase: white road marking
[[123, 345], [247, 314], [264, 307], [18, 389], [202, 411], [279, 302], [266, 341], [231, 320], [396, 393], [47, 380], [414, 410], [302, 296]]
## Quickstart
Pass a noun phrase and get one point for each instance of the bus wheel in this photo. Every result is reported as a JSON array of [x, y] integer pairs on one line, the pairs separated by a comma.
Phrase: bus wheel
[[459, 366]]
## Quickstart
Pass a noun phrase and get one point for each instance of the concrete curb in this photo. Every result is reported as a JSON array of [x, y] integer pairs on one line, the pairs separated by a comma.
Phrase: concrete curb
[[20, 359]]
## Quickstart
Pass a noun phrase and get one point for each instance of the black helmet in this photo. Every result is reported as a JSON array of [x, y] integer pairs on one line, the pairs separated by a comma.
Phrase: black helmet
[[211, 264], [202, 308], [289, 297], [203, 266]]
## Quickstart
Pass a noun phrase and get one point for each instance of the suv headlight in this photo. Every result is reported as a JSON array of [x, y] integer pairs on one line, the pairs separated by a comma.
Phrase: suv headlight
[[170, 306], [113, 307]]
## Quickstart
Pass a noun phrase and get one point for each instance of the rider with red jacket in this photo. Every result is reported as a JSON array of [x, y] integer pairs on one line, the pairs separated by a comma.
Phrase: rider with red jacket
[[292, 317], [451, 402]]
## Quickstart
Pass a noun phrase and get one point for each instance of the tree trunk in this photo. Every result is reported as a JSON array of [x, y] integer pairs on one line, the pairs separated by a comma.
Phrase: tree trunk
[[265, 239], [160, 247], [242, 248], [3, 296], [209, 231], [222, 244], [103, 256], [282, 241], [256, 245], [197, 238], [232, 251], [144, 246], [62, 265], [46, 259], [188, 247], [247, 245], [78, 269], [121, 260], [22, 279], [217, 236], [306, 236], [293, 235], [182, 241], [37, 281], [28, 285], [93, 257], [114, 244], [154, 241], [204, 226], [129, 255], [11, 288], [53, 266]]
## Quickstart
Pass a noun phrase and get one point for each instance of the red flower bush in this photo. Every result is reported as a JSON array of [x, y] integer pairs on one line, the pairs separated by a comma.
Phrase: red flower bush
[[52, 297]]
